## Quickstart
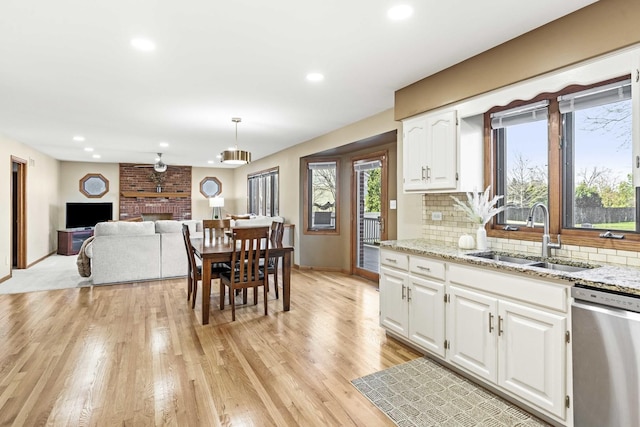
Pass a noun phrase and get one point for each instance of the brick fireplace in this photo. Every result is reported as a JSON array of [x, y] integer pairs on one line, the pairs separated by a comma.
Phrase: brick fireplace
[[139, 195]]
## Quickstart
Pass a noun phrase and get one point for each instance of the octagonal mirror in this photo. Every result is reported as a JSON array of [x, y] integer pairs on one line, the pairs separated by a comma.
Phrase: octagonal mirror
[[94, 185], [210, 187]]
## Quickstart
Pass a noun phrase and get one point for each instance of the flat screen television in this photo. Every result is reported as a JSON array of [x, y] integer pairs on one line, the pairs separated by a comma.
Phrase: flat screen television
[[86, 215]]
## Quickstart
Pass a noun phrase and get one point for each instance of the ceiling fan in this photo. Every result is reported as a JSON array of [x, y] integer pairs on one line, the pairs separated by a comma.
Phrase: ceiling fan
[[159, 166]]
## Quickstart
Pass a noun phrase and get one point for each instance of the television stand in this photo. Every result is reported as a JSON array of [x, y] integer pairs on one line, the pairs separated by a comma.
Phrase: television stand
[[70, 241]]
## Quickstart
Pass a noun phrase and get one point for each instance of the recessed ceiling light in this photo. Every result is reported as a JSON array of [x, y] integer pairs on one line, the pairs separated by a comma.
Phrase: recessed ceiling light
[[164, 144], [218, 156], [315, 77], [143, 44], [78, 138], [399, 12], [210, 162], [96, 156], [89, 149]]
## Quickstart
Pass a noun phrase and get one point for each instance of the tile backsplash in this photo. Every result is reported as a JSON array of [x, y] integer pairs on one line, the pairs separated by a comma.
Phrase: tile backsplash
[[454, 224]]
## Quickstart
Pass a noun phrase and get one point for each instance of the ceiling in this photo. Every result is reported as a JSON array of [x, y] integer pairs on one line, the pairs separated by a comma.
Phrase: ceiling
[[67, 69]]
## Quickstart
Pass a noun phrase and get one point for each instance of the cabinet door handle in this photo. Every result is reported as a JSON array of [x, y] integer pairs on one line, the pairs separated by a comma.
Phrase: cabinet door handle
[[428, 172], [403, 291], [490, 322], [408, 294], [423, 172], [500, 331]]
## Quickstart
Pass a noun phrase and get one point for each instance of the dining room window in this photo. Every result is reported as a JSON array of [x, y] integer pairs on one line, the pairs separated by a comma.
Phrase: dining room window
[[263, 193], [321, 196]]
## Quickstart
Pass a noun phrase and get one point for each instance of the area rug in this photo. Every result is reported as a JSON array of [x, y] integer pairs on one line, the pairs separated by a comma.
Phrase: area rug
[[423, 393], [53, 272]]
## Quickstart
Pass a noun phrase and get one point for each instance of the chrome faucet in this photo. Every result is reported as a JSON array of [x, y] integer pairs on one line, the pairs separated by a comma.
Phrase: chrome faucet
[[546, 240]]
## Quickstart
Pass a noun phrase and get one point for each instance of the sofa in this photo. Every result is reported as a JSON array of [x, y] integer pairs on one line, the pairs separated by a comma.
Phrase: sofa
[[134, 251], [150, 250]]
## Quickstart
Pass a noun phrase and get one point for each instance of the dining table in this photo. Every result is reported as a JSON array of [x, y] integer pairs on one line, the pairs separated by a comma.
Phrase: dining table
[[220, 250]]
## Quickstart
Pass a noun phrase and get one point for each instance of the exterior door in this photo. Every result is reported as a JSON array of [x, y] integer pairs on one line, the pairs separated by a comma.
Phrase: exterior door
[[369, 205]]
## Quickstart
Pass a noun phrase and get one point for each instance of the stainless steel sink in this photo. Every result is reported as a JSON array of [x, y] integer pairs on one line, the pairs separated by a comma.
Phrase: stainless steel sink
[[504, 258], [560, 267], [529, 262]]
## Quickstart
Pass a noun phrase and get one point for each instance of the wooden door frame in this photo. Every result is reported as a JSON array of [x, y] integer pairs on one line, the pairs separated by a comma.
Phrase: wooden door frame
[[21, 220], [383, 156]]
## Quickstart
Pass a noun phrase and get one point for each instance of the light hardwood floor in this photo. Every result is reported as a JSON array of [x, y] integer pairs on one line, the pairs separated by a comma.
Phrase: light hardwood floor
[[136, 354]]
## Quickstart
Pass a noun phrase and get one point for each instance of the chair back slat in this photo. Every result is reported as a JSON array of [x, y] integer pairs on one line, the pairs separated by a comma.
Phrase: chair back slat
[[246, 259], [215, 227]]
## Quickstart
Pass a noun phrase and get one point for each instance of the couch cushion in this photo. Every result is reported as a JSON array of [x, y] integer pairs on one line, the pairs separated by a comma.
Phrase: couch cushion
[[124, 228], [168, 226], [257, 221]]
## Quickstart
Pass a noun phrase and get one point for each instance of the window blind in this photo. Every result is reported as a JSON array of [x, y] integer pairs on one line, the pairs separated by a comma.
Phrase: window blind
[[520, 115], [615, 92]]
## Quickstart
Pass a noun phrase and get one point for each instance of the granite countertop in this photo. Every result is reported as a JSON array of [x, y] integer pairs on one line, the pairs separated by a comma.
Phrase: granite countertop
[[616, 278]]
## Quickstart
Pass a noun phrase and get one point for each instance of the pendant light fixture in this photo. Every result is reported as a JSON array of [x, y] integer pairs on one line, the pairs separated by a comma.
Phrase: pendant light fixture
[[160, 166], [235, 156]]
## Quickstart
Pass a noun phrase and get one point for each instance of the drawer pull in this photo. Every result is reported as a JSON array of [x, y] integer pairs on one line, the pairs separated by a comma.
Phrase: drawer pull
[[424, 268], [490, 322], [391, 260]]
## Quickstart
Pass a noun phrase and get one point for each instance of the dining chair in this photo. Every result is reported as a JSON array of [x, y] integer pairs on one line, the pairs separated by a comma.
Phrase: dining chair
[[215, 227], [195, 270], [277, 232], [246, 272]]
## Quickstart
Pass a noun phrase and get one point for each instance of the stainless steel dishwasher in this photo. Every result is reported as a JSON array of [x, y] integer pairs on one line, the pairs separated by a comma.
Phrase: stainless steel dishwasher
[[606, 358]]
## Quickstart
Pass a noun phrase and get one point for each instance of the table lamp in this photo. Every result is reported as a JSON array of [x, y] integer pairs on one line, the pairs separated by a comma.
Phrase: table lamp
[[216, 203]]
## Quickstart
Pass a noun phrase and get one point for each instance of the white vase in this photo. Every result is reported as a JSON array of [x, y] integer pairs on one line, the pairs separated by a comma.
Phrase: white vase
[[481, 238]]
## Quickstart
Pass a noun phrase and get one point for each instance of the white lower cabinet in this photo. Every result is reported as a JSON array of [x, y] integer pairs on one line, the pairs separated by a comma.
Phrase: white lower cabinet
[[394, 313], [471, 326], [412, 306], [426, 311], [519, 348], [532, 355], [503, 328]]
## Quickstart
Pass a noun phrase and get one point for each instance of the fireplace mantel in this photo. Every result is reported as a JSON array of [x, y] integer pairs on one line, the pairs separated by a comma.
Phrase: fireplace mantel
[[154, 194]]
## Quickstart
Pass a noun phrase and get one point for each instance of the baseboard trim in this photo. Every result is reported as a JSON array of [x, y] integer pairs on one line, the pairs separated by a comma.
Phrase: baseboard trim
[[41, 259], [5, 278], [328, 269]]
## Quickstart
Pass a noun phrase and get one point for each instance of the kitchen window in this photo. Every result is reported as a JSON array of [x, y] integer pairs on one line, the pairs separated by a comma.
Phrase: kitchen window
[[597, 151], [521, 138], [571, 150], [321, 196]]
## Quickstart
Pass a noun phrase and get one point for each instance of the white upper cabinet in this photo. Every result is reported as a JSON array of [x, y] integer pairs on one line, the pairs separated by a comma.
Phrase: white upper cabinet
[[635, 121], [435, 152]]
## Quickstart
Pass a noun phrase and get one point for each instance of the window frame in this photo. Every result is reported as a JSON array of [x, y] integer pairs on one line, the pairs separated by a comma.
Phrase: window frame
[[308, 199], [273, 195], [570, 236]]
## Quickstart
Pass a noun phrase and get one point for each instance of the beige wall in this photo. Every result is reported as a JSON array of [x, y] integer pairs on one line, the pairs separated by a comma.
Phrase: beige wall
[[200, 204], [72, 172], [602, 27], [327, 251], [70, 175], [41, 203]]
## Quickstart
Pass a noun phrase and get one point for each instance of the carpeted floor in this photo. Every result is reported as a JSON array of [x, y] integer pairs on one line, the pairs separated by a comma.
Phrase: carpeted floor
[[424, 393], [53, 272]]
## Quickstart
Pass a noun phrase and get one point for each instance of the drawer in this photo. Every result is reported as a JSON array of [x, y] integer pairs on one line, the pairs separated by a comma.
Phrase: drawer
[[426, 267], [394, 259]]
